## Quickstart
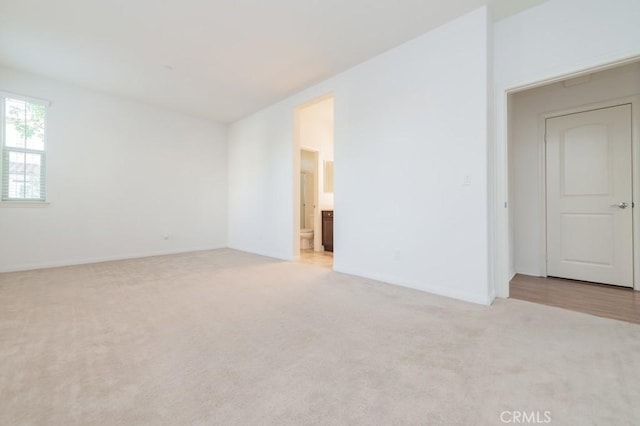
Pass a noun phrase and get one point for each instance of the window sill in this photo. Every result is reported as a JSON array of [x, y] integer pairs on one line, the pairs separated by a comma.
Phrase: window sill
[[24, 204]]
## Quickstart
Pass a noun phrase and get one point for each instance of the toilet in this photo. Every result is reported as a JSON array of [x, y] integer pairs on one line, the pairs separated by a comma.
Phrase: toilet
[[306, 239]]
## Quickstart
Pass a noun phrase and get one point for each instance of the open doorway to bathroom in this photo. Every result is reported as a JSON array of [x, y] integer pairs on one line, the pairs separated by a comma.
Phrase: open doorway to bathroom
[[313, 182]]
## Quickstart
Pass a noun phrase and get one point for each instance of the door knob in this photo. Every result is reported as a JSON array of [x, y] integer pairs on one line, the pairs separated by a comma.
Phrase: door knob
[[621, 205]]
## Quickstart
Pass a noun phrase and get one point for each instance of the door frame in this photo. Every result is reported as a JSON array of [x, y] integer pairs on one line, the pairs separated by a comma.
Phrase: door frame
[[500, 209], [634, 101], [297, 146], [317, 238]]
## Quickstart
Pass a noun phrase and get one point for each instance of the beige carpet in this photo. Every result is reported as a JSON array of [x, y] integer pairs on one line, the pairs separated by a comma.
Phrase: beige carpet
[[223, 337]]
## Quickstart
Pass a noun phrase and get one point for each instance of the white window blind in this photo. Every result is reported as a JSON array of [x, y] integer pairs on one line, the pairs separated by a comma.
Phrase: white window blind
[[23, 126]]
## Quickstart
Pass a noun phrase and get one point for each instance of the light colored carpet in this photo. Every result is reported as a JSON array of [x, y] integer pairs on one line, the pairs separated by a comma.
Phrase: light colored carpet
[[224, 337]]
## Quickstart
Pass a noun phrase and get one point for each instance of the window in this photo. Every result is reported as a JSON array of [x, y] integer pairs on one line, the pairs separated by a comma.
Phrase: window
[[23, 128]]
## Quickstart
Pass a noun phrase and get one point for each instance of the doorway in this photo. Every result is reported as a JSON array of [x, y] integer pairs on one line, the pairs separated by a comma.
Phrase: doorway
[[313, 180], [572, 160], [602, 300], [589, 192]]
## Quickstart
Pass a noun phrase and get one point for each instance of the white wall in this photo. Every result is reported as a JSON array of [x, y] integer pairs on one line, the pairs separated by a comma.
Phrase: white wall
[[557, 38], [261, 209], [409, 125], [120, 175], [525, 146], [307, 161]]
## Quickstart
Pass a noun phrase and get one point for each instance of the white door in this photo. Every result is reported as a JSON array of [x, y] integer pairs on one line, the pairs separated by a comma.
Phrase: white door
[[589, 206], [309, 200]]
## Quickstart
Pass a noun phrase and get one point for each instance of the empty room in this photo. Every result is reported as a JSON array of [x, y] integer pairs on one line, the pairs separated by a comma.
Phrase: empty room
[[302, 212]]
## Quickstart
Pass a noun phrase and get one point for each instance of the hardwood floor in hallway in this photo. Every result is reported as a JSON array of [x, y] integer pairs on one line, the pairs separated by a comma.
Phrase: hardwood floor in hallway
[[596, 299], [319, 258]]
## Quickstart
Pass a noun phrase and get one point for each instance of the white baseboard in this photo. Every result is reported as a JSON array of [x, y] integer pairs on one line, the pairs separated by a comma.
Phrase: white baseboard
[[72, 262], [263, 253], [529, 274], [440, 291]]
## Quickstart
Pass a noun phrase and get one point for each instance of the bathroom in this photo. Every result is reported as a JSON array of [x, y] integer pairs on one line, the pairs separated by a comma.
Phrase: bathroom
[[315, 201]]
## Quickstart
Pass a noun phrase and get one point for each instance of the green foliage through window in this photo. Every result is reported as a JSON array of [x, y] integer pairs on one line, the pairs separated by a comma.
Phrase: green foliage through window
[[28, 121], [23, 153]]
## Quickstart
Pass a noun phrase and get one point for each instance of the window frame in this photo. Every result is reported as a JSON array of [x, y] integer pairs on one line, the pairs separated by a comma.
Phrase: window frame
[[5, 150]]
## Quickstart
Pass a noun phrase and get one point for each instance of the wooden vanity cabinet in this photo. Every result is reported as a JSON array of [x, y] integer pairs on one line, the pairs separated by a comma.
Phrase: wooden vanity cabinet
[[327, 230]]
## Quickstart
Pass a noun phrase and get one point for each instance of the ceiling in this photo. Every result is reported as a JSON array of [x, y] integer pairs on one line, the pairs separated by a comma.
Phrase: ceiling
[[219, 59]]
